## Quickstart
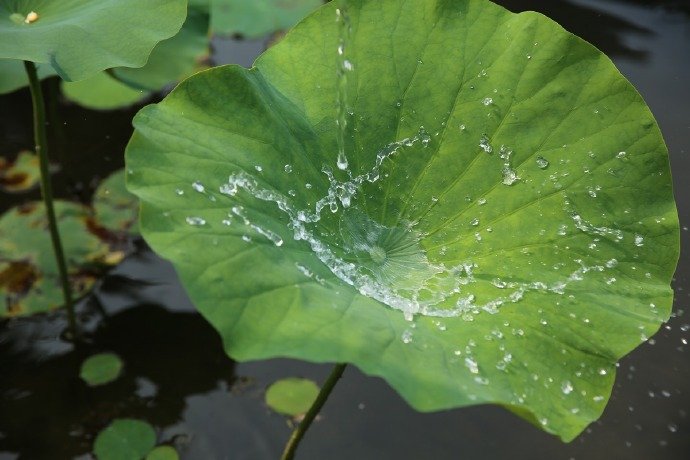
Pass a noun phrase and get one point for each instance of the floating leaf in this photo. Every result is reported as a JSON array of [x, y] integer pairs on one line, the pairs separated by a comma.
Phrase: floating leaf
[[29, 278], [79, 38], [259, 17], [101, 92], [115, 208], [163, 453], [291, 396], [125, 439], [21, 175], [505, 231], [101, 369]]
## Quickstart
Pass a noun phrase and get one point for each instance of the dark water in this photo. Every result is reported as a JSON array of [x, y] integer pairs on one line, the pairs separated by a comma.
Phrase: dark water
[[178, 378]]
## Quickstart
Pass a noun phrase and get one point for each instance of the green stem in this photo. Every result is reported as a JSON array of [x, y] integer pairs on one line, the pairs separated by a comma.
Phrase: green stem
[[47, 190], [298, 433]]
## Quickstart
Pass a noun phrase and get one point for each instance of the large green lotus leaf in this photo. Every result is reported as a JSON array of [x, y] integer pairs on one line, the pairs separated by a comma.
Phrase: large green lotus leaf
[[505, 232], [81, 37], [13, 75], [29, 277], [174, 58], [101, 92], [258, 17]]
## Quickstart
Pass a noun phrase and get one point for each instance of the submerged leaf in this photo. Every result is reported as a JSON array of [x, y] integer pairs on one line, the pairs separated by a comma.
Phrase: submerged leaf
[[23, 174], [29, 277], [291, 396], [79, 38], [503, 229], [115, 208]]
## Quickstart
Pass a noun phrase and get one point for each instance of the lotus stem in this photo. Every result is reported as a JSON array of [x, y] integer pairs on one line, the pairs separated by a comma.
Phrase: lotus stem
[[41, 146], [301, 429]]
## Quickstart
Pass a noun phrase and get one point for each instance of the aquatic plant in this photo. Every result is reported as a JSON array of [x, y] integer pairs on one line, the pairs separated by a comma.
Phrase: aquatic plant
[[472, 204], [33, 31]]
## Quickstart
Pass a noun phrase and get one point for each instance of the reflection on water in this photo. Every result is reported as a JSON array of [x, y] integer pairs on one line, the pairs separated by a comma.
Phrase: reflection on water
[[178, 378]]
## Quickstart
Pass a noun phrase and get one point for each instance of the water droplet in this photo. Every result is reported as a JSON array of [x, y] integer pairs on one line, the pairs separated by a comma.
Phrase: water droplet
[[258, 168], [288, 168], [542, 162], [488, 101], [485, 145], [407, 336], [567, 387], [474, 222], [196, 221], [639, 240], [472, 365], [198, 186], [179, 191]]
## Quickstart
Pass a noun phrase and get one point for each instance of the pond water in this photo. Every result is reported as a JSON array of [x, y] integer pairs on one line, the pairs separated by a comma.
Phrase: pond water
[[179, 379]]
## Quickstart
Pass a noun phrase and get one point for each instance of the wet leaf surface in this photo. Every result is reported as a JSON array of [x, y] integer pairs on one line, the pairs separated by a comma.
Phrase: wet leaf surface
[[509, 231]]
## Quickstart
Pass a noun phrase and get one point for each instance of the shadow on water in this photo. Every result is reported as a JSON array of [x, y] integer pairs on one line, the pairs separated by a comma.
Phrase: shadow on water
[[49, 412], [607, 31]]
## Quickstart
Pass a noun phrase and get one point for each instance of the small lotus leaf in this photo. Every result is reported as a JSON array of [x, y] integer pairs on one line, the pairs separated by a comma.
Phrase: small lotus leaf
[[503, 232], [291, 396], [101, 369], [125, 439], [163, 453]]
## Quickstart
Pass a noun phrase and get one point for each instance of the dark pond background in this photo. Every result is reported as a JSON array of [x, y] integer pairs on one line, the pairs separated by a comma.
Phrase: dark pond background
[[178, 378]]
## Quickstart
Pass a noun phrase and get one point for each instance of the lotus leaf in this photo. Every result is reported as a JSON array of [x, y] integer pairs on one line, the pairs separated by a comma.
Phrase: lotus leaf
[[101, 369], [503, 230], [79, 38], [125, 439], [291, 396]]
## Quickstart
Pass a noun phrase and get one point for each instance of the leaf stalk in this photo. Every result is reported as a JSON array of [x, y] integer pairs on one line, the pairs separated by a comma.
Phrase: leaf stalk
[[41, 146], [299, 432]]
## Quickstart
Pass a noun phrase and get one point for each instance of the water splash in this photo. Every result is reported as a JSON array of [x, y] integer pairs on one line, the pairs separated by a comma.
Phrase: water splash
[[344, 67]]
